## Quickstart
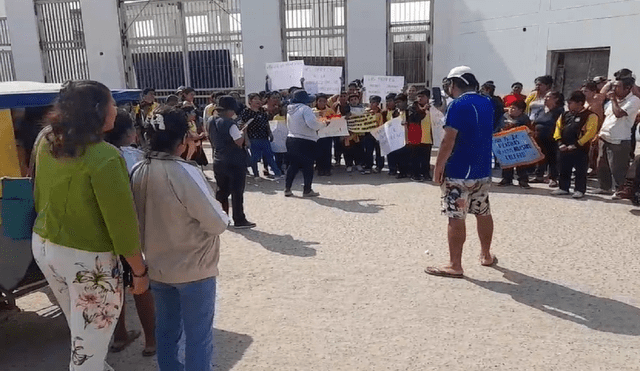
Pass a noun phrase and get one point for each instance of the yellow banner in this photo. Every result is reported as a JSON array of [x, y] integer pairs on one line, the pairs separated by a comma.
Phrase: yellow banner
[[362, 124]]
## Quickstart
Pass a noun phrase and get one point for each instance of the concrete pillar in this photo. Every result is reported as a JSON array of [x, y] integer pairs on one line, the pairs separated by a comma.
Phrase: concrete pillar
[[102, 37], [366, 38], [25, 41], [261, 38]]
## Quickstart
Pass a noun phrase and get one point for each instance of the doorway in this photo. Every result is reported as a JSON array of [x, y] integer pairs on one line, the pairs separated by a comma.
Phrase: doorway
[[571, 68]]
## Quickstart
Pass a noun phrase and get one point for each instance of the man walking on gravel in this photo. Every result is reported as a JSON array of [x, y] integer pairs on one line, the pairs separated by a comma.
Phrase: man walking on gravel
[[463, 169]]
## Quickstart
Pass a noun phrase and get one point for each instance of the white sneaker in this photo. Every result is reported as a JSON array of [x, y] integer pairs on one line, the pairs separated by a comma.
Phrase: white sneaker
[[577, 195], [560, 192], [359, 168], [278, 177], [349, 169]]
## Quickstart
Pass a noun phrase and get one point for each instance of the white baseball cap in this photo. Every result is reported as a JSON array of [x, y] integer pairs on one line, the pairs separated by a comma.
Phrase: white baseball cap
[[458, 72]]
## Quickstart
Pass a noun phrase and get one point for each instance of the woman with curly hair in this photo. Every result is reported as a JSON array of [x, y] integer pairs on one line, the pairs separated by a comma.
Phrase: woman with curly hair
[[86, 218]]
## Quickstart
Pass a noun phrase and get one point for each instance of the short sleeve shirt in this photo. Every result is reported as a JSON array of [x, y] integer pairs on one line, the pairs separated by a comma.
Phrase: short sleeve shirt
[[471, 115], [259, 127]]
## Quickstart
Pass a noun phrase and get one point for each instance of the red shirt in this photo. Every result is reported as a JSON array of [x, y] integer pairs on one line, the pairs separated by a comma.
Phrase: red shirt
[[414, 133], [509, 99]]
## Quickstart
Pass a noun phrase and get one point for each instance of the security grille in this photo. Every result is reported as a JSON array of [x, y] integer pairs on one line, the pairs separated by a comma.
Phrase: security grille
[[7, 71], [193, 43], [64, 53], [410, 40], [314, 31]]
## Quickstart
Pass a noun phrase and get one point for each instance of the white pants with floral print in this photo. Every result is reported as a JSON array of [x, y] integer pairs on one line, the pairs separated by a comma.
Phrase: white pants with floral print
[[88, 288]]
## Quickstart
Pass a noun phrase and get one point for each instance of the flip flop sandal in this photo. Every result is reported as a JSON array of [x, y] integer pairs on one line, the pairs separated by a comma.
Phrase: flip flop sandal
[[119, 346], [494, 262], [442, 273], [149, 352]]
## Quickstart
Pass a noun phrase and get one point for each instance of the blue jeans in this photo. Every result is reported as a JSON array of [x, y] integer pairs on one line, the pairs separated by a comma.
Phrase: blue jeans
[[262, 148], [185, 308]]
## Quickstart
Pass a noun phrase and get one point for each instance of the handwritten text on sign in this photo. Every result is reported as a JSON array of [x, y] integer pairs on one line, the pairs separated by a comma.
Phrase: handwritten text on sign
[[326, 80], [284, 75], [383, 85], [337, 128], [515, 148], [390, 135]]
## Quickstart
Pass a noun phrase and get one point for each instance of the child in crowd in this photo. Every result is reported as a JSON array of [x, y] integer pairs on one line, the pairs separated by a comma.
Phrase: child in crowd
[[259, 133], [370, 142], [353, 152], [400, 158], [390, 112], [417, 150], [279, 143], [323, 161], [574, 131], [513, 118], [340, 106]]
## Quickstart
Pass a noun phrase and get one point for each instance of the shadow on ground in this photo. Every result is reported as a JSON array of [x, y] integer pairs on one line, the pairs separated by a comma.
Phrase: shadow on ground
[[350, 206], [597, 313], [281, 244], [230, 348]]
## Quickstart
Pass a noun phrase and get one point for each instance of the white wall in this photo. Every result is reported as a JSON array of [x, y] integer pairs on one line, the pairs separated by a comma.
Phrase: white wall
[[261, 35], [489, 36], [102, 37], [366, 38], [25, 42]]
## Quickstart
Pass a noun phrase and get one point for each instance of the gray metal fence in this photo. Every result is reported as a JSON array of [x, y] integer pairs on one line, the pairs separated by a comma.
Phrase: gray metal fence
[[410, 40], [7, 70], [193, 43], [64, 52], [314, 31]]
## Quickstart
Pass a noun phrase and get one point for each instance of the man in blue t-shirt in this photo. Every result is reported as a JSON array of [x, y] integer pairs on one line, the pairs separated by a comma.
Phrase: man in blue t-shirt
[[463, 169]]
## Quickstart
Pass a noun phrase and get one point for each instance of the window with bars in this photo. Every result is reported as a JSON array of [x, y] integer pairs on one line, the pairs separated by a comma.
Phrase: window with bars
[[314, 31], [409, 39], [7, 70], [195, 43]]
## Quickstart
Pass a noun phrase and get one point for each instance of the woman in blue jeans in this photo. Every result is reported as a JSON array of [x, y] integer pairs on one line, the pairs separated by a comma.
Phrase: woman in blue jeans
[[180, 227], [260, 136]]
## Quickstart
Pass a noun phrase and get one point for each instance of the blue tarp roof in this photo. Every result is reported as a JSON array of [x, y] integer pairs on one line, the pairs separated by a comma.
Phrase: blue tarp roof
[[22, 94]]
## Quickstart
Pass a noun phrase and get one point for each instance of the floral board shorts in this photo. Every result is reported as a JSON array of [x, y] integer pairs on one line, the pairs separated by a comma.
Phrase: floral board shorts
[[465, 196]]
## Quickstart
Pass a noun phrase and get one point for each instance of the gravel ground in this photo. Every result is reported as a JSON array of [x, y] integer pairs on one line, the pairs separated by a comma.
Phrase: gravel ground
[[337, 283]]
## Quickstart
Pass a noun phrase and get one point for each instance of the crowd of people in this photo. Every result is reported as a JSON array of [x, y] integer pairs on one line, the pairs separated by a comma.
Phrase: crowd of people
[[118, 191]]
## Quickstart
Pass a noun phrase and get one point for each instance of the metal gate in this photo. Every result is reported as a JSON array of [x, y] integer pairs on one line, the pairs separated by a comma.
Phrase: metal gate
[[64, 53], [571, 68], [314, 31], [7, 70], [410, 40], [193, 43]]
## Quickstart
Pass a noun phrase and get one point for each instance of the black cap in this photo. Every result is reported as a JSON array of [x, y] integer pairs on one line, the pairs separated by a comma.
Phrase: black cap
[[391, 96], [227, 102]]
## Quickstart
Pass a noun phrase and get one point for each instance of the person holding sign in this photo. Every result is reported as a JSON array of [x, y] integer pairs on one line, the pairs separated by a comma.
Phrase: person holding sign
[[574, 131], [302, 143], [463, 169], [323, 162], [514, 118]]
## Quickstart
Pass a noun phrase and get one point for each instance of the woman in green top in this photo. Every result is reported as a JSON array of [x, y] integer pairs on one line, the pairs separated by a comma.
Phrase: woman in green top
[[86, 218]]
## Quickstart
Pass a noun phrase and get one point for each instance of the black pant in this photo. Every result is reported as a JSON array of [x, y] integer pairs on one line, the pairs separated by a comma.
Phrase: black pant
[[301, 154], [231, 179], [369, 144], [420, 159], [280, 160], [338, 149], [523, 175], [549, 148], [323, 161], [578, 159], [354, 154]]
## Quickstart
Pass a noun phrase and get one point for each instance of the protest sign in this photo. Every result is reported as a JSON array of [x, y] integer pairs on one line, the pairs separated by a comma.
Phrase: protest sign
[[516, 148], [337, 128], [362, 124], [382, 85], [325, 80], [284, 75], [391, 136]]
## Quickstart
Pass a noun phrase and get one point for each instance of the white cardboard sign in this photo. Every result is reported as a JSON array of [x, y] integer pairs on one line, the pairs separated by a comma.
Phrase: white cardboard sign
[[322, 79], [391, 136], [284, 75], [337, 128], [382, 85]]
